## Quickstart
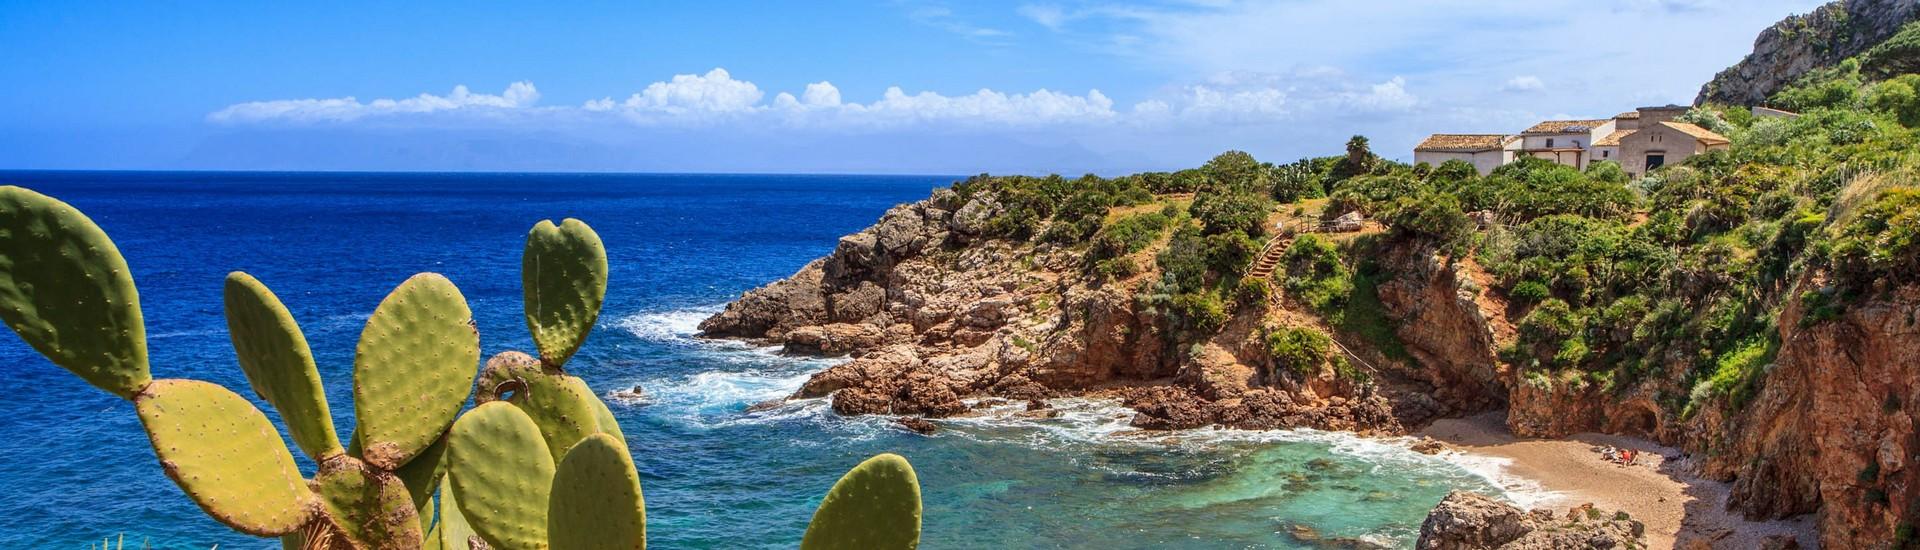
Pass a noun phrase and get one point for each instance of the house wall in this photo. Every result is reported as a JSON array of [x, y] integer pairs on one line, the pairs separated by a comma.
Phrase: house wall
[[1626, 124], [1484, 161], [1676, 145], [1610, 152], [1653, 117]]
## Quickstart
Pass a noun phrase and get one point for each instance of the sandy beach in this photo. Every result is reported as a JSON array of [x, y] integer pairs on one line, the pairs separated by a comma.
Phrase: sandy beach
[[1679, 509]]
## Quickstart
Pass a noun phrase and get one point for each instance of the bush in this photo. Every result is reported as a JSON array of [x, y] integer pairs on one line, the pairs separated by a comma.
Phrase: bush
[[1301, 350], [1315, 276], [1882, 242], [1222, 210], [1198, 313], [1529, 292], [1252, 291]]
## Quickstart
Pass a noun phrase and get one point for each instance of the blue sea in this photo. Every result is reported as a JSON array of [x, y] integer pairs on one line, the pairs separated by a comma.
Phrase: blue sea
[[76, 467]]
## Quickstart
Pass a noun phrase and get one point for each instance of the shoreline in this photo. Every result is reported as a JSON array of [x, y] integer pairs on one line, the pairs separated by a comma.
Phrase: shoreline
[[1680, 510]]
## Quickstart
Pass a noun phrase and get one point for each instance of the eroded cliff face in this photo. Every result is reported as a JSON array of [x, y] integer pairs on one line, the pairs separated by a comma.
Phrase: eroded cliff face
[[1802, 43], [931, 313], [1832, 431]]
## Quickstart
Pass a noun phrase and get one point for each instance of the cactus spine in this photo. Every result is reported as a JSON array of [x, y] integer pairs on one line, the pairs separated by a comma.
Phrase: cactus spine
[[538, 463]]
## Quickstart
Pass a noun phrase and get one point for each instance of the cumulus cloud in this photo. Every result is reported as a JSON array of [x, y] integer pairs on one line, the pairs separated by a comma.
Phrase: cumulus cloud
[[1524, 84], [717, 98], [714, 92], [517, 95]]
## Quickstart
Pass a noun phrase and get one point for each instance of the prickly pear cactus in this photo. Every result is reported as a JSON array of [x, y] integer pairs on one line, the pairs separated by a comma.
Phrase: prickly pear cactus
[[596, 502], [564, 408], [563, 274], [413, 369], [874, 507], [541, 455], [500, 468], [65, 289], [274, 355], [225, 455], [370, 507]]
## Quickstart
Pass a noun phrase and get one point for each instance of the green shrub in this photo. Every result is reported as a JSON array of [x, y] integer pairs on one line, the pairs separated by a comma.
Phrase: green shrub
[[1315, 276], [1302, 350], [1880, 243], [1529, 292], [1198, 313], [1252, 291]]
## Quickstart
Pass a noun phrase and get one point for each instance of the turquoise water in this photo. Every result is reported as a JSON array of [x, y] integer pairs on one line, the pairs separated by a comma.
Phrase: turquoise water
[[715, 476]]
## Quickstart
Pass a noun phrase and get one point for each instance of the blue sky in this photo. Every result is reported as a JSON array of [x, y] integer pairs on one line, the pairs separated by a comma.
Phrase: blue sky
[[905, 86]]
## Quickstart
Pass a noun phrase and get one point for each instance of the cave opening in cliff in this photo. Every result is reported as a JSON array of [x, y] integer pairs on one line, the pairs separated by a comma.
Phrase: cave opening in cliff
[[1639, 421]]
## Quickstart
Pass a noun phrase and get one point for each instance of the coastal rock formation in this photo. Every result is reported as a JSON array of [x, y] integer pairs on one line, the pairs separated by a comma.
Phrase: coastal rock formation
[[1451, 326], [1834, 425], [930, 313], [1470, 521], [1801, 43]]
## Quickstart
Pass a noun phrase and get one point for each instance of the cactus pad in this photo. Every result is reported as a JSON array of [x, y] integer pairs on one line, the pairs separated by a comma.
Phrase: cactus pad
[[502, 473], [563, 406], [563, 273], [413, 369], [876, 506], [605, 417], [452, 529], [369, 506], [596, 502], [226, 456], [65, 289], [274, 355], [422, 477]]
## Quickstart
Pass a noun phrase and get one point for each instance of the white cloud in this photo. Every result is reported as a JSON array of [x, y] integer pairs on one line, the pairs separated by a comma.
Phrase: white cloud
[[1047, 15], [517, 95], [716, 97], [714, 92], [1524, 84]]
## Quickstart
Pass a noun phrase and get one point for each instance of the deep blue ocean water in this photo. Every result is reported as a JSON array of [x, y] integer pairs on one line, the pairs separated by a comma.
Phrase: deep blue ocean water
[[76, 467]]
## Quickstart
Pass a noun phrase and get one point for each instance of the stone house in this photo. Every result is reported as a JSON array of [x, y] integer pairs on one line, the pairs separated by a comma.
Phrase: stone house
[[1640, 140], [1484, 151], [1663, 143]]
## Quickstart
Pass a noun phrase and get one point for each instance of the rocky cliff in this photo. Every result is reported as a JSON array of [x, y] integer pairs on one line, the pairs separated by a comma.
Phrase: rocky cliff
[[1801, 43], [930, 312]]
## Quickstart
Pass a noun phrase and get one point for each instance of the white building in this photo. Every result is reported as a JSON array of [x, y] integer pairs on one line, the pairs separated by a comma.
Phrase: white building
[[1484, 151], [1565, 141]]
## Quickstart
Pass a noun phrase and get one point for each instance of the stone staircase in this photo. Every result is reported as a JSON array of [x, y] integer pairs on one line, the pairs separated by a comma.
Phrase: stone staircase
[[1271, 256]]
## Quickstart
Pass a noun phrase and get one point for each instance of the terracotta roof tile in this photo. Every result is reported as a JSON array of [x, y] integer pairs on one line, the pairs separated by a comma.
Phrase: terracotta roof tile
[[1463, 142], [1565, 126], [1697, 132], [1613, 139]]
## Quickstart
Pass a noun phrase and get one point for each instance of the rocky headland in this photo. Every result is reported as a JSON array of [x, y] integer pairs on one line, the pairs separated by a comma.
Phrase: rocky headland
[[1754, 310]]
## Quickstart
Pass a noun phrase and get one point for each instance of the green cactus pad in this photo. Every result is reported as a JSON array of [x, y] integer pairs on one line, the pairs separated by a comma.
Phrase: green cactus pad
[[563, 406], [604, 416], [413, 369], [422, 477], [876, 506], [274, 355], [370, 506], [596, 502], [500, 468], [563, 273], [65, 289], [452, 529], [226, 456]]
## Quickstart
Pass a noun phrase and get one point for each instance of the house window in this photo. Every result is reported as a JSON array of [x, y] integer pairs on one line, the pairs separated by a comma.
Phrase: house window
[[1549, 142], [1606, 154], [1656, 160], [1576, 143]]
